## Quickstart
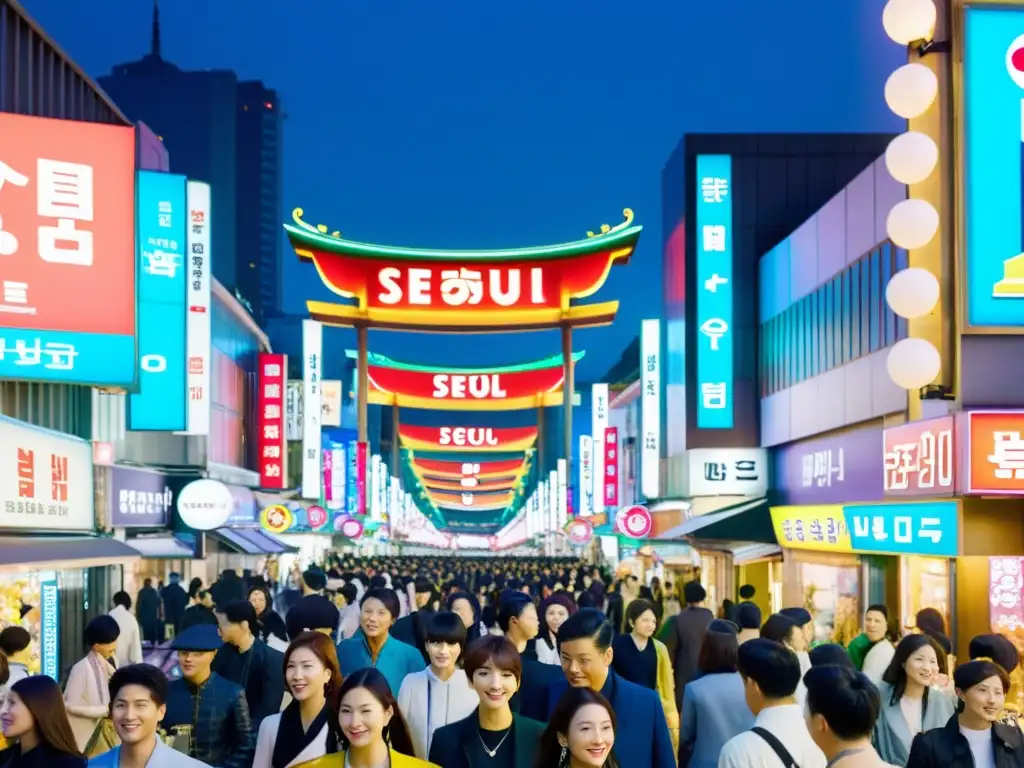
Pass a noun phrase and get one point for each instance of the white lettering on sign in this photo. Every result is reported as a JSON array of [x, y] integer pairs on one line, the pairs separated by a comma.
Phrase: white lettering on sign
[[821, 468], [56, 356], [461, 287], [474, 386], [1007, 455], [153, 363], [922, 464], [874, 526], [474, 436]]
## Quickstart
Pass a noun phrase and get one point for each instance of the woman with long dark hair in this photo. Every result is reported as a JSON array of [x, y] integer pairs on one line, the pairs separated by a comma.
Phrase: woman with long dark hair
[[553, 611], [270, 627], [34, 714], [308, 727], [373, 732], [580, 732], [467, 608]]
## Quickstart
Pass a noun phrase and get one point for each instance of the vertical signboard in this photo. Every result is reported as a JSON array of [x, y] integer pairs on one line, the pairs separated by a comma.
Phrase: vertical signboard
[[293, 411], [312, 372], [714, 292], [49, 630], [586, 475], [362, 455], [162, 401], [610, 488], [650, 405], [551, 524], [351, 484], [197, 328], [273, 375], [598, 423], [330, 403], [563, 492], [338, 485]]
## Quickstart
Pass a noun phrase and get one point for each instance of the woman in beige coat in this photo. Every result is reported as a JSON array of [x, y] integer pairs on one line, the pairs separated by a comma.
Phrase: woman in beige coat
[[87, 695]]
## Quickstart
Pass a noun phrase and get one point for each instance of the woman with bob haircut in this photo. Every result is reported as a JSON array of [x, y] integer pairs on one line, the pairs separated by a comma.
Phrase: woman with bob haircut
[[441, 693], [308, 726], [494, 670], [554, 610], [974, 737], [87, 693], [34, 714], [373, 732], [714, 705], [911, 702], [580, 733]]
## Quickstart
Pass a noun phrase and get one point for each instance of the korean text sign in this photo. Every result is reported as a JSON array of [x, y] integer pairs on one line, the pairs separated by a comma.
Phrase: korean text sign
[[650, 361], [49, 629], [586, 475], [598, 423], [928, 528], [995, 452], [920, 458], [198, 324], [831, 470], [270, 400], [67, 226], [611, 466], [714, 292], [139, 499], [162, 401], [312, 373], [993, 145], [727, 471]]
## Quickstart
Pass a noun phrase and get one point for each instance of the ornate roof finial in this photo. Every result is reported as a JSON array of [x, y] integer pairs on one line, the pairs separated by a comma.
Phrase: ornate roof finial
[[154, 44]]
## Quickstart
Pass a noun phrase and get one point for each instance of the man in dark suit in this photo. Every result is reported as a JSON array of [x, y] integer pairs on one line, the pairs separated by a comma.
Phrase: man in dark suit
[[685, 634]]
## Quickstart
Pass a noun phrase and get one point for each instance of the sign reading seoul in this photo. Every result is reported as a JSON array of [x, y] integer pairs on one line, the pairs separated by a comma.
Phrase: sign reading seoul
[[467, 438], [67, 224], [714, 292], [930, 529]]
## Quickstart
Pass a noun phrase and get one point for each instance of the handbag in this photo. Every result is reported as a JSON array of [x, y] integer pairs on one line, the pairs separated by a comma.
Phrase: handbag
[[103, 739]]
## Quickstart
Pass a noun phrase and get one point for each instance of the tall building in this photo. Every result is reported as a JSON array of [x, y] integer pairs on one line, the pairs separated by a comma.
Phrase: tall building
[[227, 133]]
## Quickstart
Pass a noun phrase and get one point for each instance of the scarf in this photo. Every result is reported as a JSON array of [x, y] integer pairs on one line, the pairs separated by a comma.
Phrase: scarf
[[291, 739]]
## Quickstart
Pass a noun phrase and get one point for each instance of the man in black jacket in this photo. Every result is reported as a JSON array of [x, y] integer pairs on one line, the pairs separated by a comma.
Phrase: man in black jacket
[[684, 635], [249, 662]]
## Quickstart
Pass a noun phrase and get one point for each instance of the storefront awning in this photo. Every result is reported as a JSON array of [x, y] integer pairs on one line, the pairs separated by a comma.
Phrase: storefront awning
[[751, 553], [161, 547], [746, 522], [63, 552], [251, 541]]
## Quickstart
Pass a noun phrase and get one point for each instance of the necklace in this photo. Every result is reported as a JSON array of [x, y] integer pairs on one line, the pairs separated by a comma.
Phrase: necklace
[[492, 752]]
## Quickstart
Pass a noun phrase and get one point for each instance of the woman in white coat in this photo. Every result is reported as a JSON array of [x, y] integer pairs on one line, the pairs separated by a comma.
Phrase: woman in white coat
[[87, 695], [308, 727], [441, 693]]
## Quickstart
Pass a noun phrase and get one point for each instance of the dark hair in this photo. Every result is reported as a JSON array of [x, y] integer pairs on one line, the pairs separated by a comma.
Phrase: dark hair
[[636, 609], [396, 732], [896, 676], [930, 621], [323, 648], [572, 701], [315, 579], [377, 581], [238, 611], [121, 598], [14, 640], [694, 592], [588, 623], [779, 628], [564, 599], [145, 675], [511, 607], [974, 672], [495, 649], [194, 586], [747, 591], [445, 627], [847, 699], [719, 651], [771, 665], [587, 599], [387, 597], [878, 608], [101, 630], [996, 647], [830, 654], [42, 697], [747, 616], [800, 616], [349, 592]]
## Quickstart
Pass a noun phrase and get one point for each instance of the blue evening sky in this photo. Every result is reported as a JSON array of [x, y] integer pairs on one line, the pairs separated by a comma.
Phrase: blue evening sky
[[497, 124]]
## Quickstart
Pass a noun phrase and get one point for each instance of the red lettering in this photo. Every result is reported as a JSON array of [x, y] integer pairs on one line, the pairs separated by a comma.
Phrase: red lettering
[[26, 473], [59, 477]]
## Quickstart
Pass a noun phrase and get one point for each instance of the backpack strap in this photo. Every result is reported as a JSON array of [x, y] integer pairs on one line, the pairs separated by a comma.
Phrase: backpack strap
[[777, 747]]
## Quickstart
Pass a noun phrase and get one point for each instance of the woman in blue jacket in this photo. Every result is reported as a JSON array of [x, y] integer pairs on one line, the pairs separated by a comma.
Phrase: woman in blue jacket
[[373, 646]]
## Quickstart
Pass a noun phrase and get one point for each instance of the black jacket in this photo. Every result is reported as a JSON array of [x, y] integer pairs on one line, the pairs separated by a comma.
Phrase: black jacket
[[458, 745], [947, 747], [40, 757], [411, 629], [683, 638], [222, 734], [260, 672]]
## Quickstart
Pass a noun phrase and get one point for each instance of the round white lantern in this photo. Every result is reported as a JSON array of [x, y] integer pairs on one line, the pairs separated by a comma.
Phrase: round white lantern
[[912, 223], [205, 505], [912, 292], [910, 90], [905, 21], [913, 363], [911, 157]]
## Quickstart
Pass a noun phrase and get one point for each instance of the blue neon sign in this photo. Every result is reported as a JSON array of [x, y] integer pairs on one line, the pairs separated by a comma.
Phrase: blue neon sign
[[161, 230], [993, 167], [714, 292], [930, 529]]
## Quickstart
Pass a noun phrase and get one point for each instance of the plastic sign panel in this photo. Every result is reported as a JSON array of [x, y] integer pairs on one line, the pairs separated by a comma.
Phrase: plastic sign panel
[[920, 458], [611, 467], [67, 242], [469, 291], [993, 115], [835, 469], [586, 475], [599, 404], [714, 292], [312, 373], [198, 325], [162, 401], [635, 522], [995, 452], [563, 492], [49, 626], [362, 470], [650, 405], [486, 439], [930, 529], [727, 472], [272, 446]]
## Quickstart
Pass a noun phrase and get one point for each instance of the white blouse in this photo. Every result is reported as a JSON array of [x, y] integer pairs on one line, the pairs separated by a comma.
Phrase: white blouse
[[268, 737]]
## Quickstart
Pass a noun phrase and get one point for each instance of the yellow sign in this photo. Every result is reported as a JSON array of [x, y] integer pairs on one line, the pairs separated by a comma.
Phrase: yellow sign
[[277, 518], [819, 528]]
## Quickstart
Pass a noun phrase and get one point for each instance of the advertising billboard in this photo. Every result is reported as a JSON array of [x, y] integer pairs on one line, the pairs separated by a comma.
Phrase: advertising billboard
[[270, 402], [650, 404], [993, 76], [198, 330], [312, 372], [714, 292], [493, 439], [161, 403], [67, 237]]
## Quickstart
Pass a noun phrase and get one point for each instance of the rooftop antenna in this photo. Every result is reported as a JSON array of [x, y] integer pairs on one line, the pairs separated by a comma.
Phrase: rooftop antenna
[[154, 46]]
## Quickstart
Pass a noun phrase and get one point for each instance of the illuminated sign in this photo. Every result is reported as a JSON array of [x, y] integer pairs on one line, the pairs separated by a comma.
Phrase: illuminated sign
[[49, 626], [993, 79], [714, 292], [586, 475], [920, 458], [598, 423], [67, 241], [456, 469], [312, 373], [270, 402], [611, 467], [995, 452], [477, 501], [439, 484], [198, 324], [516, 289], [727, 472], [650, 404], [497, 439], [162, 401]]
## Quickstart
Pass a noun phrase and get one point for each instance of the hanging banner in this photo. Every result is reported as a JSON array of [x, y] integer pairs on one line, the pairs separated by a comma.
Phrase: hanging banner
[[293, 412], [312, 370], [650, 406], [598, 423], [586, 476], [455, 470], [273, 370], [611, 467], [362, 456], [488, 439], [198, 322]]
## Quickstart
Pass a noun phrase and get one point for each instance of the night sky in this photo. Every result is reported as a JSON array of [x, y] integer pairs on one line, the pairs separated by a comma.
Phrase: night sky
[[498, 124]]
